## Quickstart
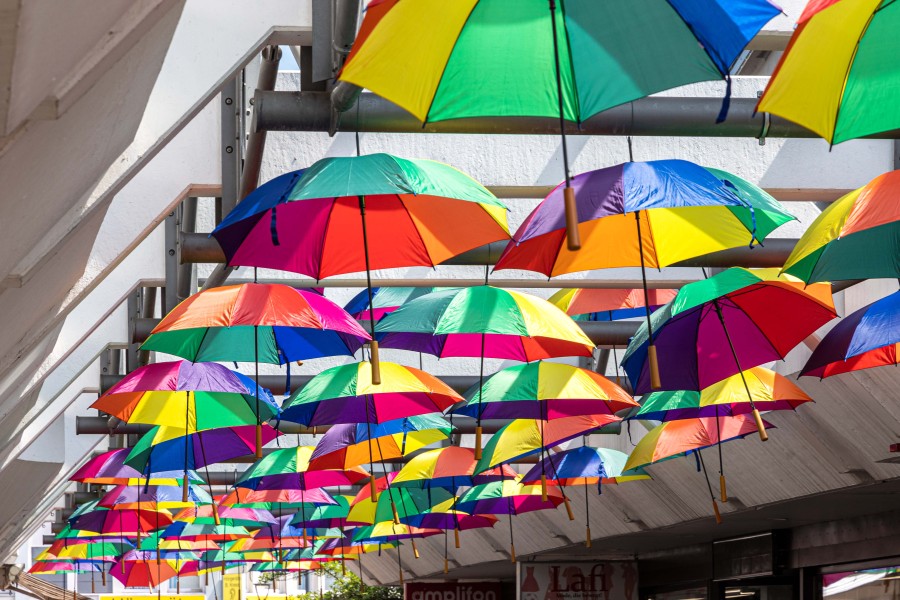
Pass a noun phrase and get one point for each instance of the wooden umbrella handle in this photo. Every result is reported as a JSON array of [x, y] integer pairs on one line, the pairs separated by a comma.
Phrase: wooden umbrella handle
[[573, 237]]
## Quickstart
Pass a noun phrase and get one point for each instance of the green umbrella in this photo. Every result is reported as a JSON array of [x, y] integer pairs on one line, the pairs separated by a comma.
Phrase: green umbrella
[[566, 59]]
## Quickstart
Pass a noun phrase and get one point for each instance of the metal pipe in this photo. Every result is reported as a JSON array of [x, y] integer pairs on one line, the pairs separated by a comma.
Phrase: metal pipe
[[253, 155], [653, 116], [200, 248], [184, 280]]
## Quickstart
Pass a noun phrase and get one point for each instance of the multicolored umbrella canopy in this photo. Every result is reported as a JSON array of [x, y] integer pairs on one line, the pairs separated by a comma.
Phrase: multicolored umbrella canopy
[[229, 515], [152, 497], [349, 445], [544, 390], [651, 214], [109, 468], [835, 77], [347, 394], [763, 315], [451, 467], [584, 465], [491, 58], [329, 515], [278, 500], [121, 522], [596, 304], [208, 395], [507, 497], [384, 301], [256, 322], [388, 530], [676, 438], [139, 568], [416, 212], [523, 437], [768, 390], [204, 531], [288, 468], [856, 237], [483, 321], [867, 338], [164, 447]]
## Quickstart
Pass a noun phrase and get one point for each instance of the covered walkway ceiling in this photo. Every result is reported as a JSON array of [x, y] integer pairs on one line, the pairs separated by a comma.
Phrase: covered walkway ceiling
[[94, 142]]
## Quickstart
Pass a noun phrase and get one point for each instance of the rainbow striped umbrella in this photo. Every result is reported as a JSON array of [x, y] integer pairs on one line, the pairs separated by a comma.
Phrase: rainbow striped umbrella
[[350, 445], [110, 468], [347, 394], [509, 497], [451, 467], [768, 391], [870, 337], [584, 466], [483, 321], [596, 304], [289, 468], [535, 58], [837, 76], [544, 390], [523, 437], [856, 237]]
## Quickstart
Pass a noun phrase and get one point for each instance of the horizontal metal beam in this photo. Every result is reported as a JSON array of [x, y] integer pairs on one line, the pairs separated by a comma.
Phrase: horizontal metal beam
[[653, 116], [606, 333], [200, 248], [102, 425]]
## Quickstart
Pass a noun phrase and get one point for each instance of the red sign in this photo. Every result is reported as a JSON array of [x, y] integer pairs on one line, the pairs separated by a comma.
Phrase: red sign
[[480, 590]]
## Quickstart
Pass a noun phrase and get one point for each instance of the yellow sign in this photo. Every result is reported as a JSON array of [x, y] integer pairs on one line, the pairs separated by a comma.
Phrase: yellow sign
[[231, 586], [152, 596]]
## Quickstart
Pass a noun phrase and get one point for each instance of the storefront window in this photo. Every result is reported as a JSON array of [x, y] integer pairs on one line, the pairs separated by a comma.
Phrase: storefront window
[[868, 584]]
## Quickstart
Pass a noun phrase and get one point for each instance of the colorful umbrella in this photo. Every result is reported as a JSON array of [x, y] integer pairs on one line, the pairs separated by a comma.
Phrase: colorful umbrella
[[329, 515], [350, 445], [584, 466], [140, 568], [768, 391], [718, 327], [523, 437], [867, 338], [856, 237], [235, 516], [204, 531], [596, 304], [209, 395], [347, 394], [153, 497], [544, 390], [288, 468], [256, 322], [836, 77], [109, 468], [362, 213], [384, 301], [677, 438], [278, 499], [491, 58], [120, 522], [451, 467], [509, 497], [680, 210], [272, 323], [168, 446], [484, 322]]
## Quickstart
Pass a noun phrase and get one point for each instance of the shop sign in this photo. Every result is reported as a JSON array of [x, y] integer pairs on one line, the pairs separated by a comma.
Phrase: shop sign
[[476, 590], [608, 580]]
